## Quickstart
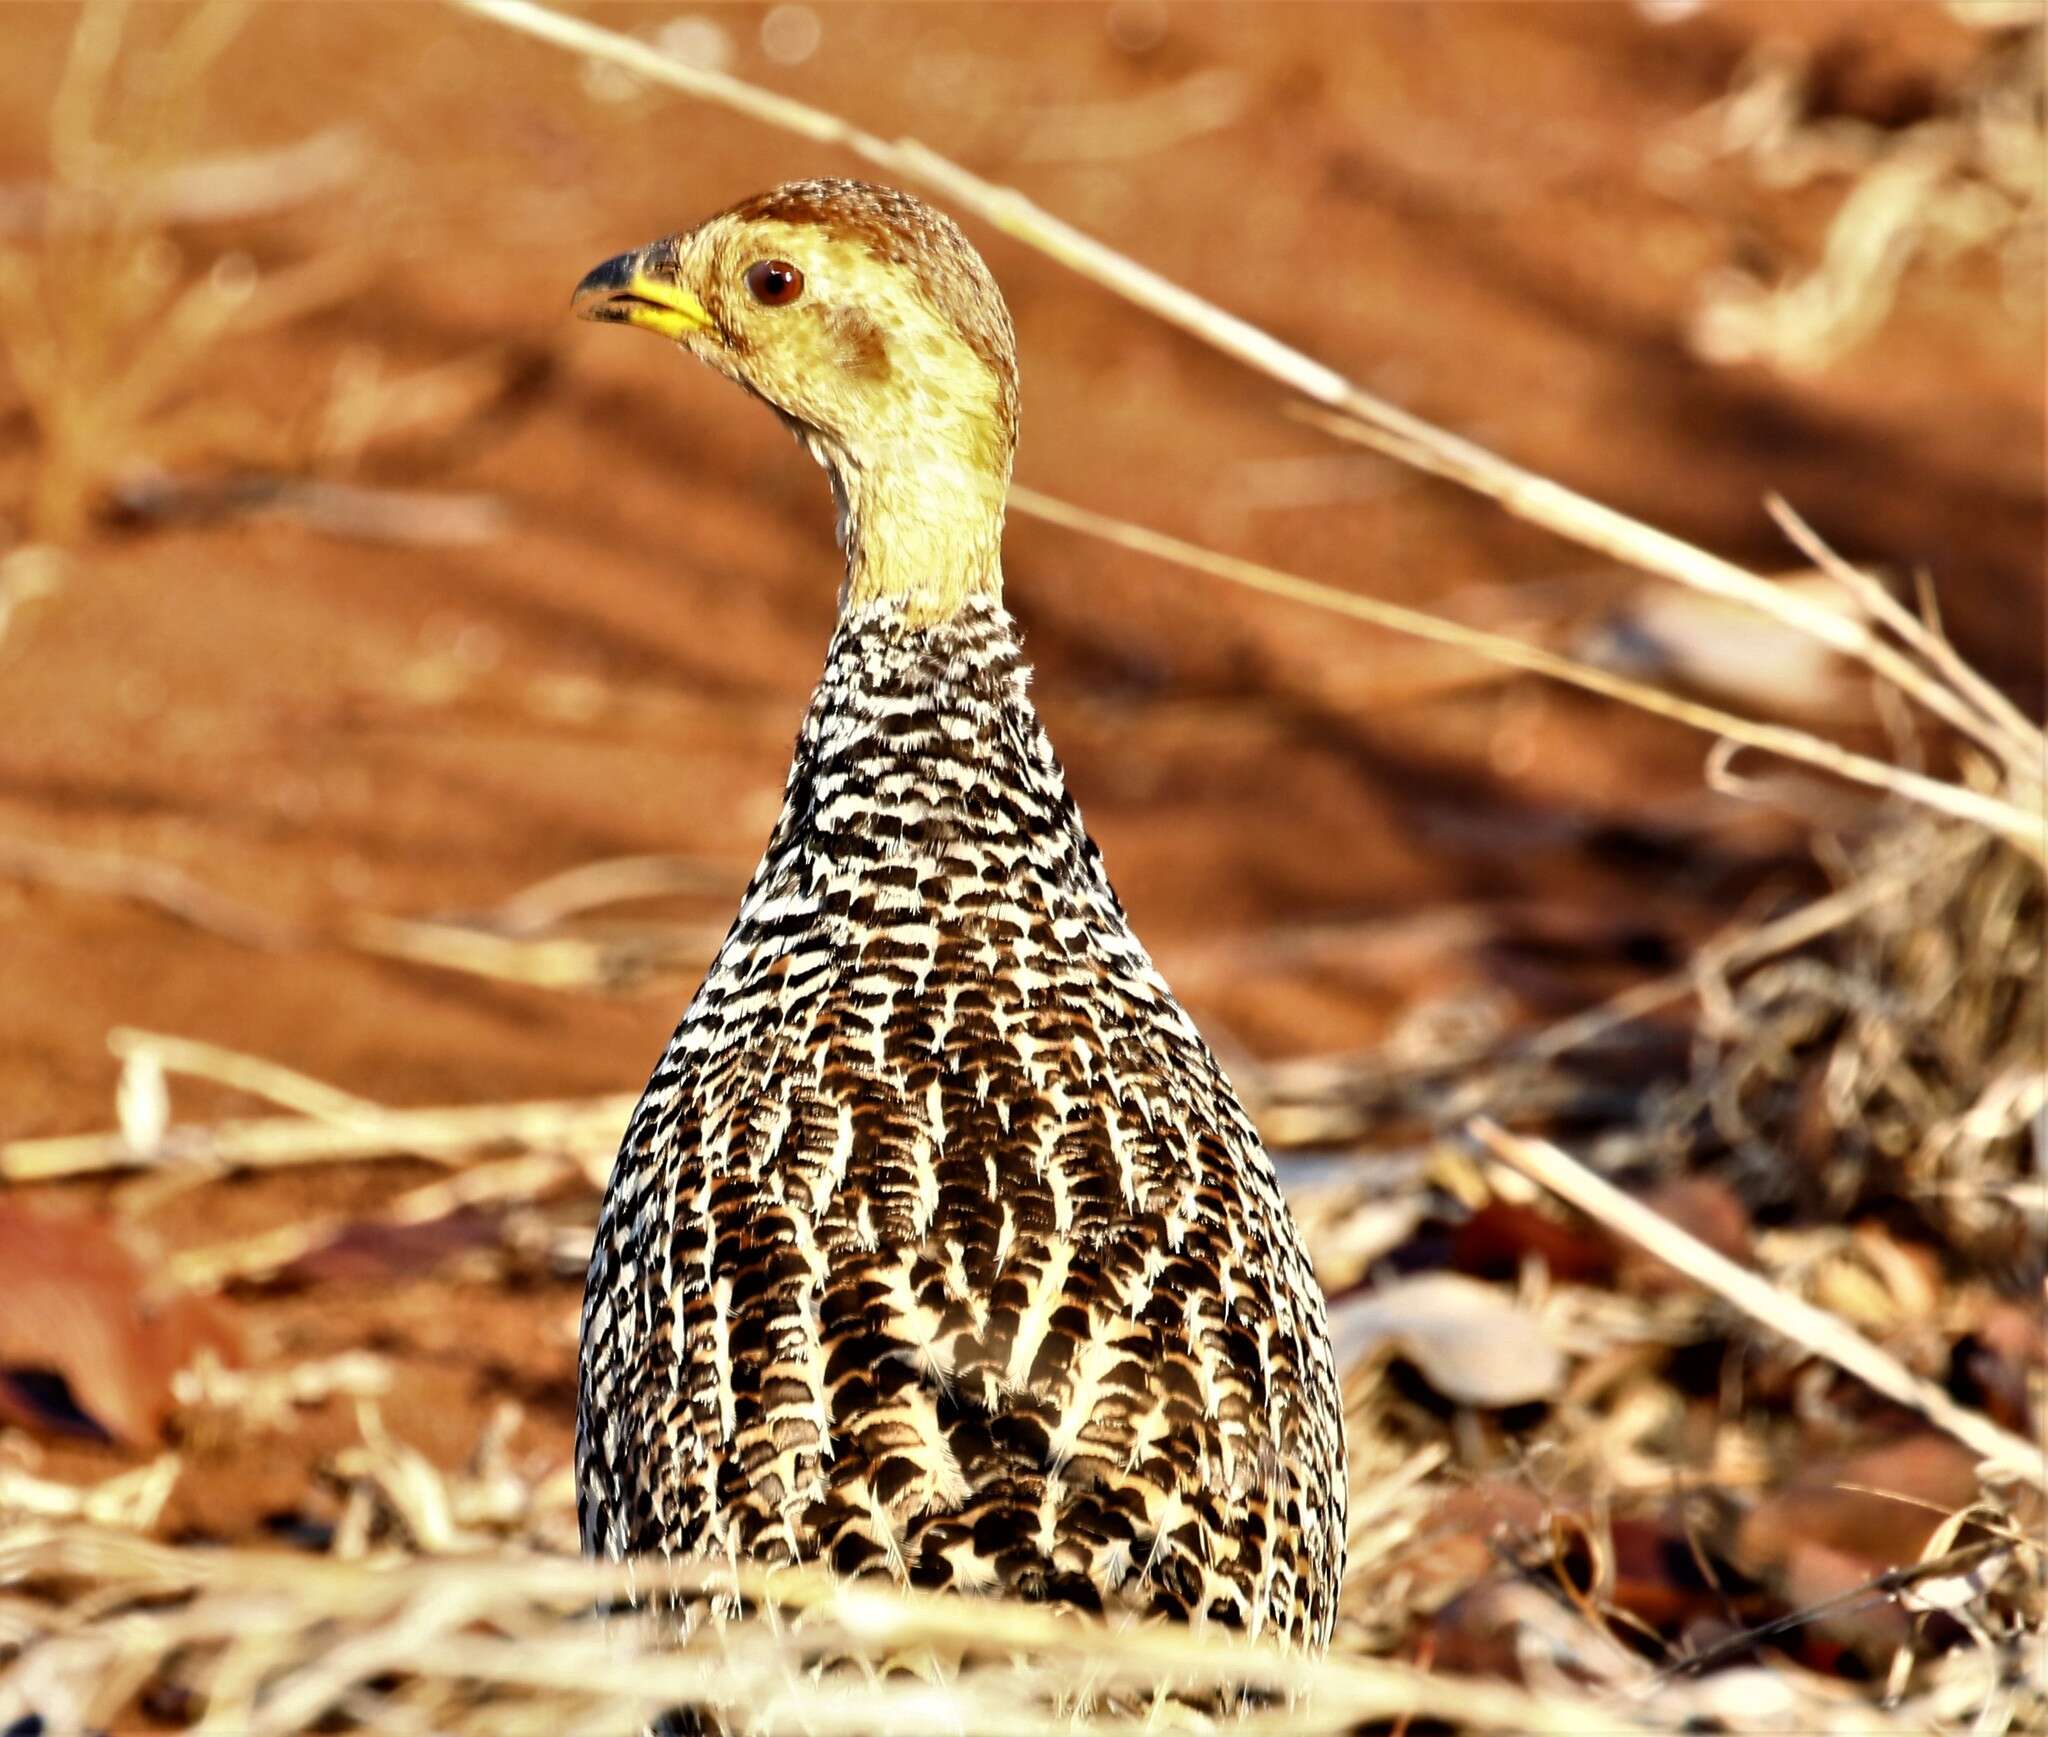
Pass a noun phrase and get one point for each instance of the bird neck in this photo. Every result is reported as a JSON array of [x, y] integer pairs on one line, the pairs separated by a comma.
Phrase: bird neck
[[921, 741], [922, 531]]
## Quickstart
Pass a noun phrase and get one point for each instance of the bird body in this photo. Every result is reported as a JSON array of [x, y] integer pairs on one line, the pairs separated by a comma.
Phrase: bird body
[[939, 1246]]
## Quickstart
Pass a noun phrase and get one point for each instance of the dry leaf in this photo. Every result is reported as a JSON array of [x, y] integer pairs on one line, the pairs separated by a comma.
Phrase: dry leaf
[[2001, 1362], [1666, 634], [1471, 1342], [1502, 1234], [1841, 1525], [88, 1344]]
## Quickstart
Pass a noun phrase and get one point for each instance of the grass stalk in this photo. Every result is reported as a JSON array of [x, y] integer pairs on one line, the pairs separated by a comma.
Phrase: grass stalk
[[1813, 1329], [2009, 819]]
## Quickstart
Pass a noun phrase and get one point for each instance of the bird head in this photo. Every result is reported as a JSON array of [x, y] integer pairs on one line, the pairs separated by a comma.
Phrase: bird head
[[867, 321]]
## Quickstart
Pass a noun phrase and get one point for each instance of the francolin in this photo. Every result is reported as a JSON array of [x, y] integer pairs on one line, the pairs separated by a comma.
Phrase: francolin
[[939, 1247]]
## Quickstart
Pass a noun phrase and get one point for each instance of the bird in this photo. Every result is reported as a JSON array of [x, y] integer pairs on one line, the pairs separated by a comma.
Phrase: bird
[[940, 1248]]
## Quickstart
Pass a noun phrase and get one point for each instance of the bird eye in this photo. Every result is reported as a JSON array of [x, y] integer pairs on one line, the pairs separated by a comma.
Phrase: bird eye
[[775, 282]]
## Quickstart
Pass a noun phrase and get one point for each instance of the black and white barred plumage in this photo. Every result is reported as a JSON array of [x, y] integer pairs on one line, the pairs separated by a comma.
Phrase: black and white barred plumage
[[939, 1247]]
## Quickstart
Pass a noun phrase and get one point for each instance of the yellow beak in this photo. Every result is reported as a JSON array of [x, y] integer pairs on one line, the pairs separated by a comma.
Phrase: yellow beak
[[625, 291]]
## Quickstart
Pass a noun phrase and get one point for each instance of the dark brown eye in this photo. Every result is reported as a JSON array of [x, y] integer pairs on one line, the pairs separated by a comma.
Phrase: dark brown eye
[[775, 282]]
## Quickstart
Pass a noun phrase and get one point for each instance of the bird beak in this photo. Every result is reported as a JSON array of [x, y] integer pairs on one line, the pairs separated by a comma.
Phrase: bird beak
[[631, 290]]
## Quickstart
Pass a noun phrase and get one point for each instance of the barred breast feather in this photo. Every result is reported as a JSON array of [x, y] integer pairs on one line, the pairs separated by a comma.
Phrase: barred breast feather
[[939, 1247]]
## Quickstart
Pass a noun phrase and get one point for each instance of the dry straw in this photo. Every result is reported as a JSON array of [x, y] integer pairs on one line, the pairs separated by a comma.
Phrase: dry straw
[[328, 1126], [1815, 1330], [99, 326], [288, 1640]]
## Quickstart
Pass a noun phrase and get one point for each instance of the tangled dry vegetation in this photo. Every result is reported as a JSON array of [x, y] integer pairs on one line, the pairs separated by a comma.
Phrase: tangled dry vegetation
[[1965, 177], [1730, 1422], [102, 314]]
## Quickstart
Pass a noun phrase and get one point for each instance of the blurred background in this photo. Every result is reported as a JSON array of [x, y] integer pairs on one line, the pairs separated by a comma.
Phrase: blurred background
[[397, 679]]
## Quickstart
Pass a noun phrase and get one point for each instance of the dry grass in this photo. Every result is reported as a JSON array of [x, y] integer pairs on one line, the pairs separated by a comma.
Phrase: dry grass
[[1906, 1063], [1815, 1330], [541, 935], [428, 1635], [103, 320], [1965, 179], [280, 1643], [2010, 816]]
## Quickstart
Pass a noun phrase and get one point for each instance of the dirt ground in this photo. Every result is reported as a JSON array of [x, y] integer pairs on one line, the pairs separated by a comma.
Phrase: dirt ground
[[1319, 829]]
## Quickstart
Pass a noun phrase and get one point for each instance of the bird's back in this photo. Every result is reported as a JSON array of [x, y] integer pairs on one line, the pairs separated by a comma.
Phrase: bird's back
[[939, 1245]]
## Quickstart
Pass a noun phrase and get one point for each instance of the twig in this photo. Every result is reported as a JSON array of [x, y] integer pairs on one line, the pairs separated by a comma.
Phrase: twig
[[161, 884], [589, 1128], [1364, 416], [1120, 127], [505, 944], [222, 189], [269, 1252], [611, 881], [2007, 819], [1876, 1590], [1586, 522], [1811, 1328], [1923, 636], [373, 515], [259, 1077], [605, 962], [1745, 947], [1309, 1084]]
